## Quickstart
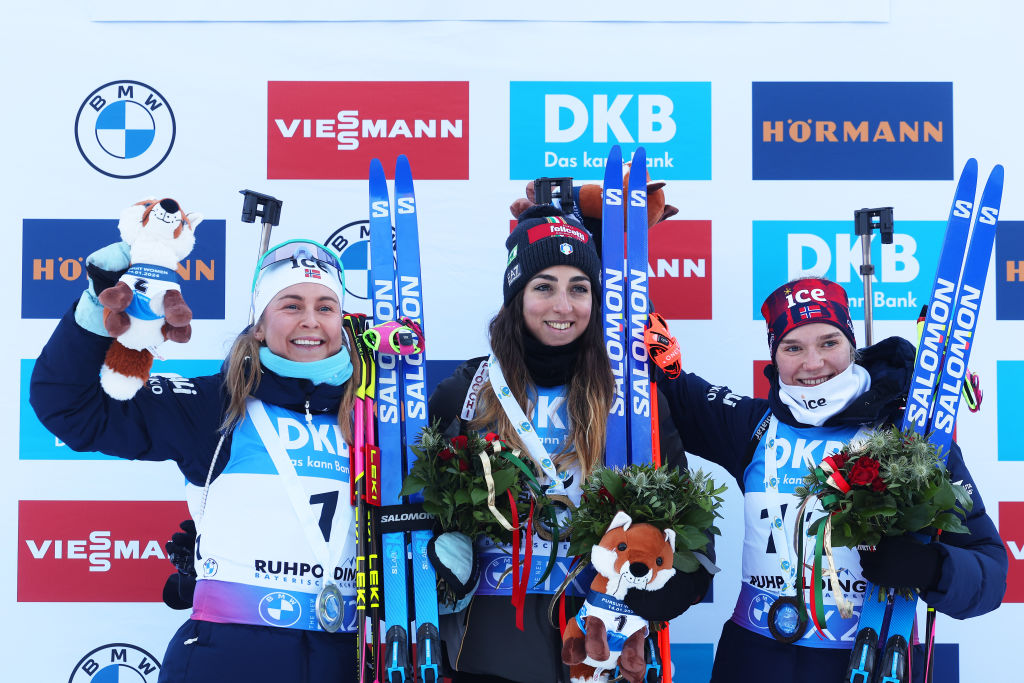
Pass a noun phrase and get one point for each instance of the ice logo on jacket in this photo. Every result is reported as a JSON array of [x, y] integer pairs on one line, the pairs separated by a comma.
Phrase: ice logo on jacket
[[280, 609]]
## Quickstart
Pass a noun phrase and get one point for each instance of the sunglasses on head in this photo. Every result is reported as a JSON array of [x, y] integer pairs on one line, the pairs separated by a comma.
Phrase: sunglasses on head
[[301, 253]]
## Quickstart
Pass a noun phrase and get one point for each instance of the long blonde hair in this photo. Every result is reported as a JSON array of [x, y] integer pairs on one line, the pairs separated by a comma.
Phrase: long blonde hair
[[244, 372], [590, 389]]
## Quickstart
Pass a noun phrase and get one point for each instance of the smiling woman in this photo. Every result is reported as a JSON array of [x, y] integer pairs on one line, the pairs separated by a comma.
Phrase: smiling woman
[[823, 394], [545, 389], [258, 492]]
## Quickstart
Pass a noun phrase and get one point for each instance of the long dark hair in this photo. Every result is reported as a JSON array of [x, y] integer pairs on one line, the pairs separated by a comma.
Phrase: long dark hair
[[590, 390]]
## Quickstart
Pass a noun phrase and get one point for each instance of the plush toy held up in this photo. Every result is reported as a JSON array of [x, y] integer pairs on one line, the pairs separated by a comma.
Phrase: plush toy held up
[[145, 307], [605, 632]]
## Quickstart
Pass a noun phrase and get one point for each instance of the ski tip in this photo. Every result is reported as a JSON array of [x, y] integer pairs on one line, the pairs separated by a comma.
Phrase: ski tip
[[376, 166], [996, 174], [402, 162], [640, 155]]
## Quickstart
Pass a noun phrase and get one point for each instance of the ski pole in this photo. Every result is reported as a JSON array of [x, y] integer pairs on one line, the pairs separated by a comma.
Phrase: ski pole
[[269, 209], [865, 221]]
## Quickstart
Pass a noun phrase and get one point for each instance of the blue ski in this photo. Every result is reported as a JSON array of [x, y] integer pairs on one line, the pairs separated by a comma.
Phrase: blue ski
[[934, 398], [389, 435], [613, 249], [639, 380], [414, 395]]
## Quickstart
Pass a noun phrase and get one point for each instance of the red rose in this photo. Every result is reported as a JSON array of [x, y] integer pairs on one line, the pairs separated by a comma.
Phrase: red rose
[[460, 442], [463, 465], [446, 454], [878, 486], [863, 472], [491, 436], [606, 494], [840, 459]]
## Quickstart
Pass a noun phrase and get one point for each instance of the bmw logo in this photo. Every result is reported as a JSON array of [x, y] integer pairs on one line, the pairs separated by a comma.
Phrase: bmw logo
[[209, 567], [280, 609], [124, 129], [116, 663]]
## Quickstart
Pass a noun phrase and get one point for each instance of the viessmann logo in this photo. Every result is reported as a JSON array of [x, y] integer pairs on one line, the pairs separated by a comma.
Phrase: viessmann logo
[[567, 128], [852, 131], [94, 551], [332, 129]]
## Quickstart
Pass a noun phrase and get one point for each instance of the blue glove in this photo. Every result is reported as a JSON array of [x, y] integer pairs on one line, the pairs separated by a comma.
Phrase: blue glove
[[454, 561], [104, 267]]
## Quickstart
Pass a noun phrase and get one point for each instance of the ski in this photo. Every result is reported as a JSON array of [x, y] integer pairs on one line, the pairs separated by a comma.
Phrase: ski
[[639, 381], [413, 380], [389, 437], [613, 251], [934, 398]]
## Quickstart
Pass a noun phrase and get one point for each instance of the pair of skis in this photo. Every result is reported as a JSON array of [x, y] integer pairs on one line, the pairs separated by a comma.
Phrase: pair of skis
[[934, 398], [632, 434], [401, 412]]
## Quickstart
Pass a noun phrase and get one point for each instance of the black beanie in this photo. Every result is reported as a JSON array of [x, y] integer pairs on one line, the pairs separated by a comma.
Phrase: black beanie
[[544, 238]]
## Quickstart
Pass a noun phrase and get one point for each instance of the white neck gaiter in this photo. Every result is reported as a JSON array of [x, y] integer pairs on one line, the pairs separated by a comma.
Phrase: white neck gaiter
[[814, 405]]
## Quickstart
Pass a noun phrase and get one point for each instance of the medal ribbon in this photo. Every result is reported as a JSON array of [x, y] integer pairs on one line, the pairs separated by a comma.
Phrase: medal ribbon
[[523, 426], [771, 488], [296, 494]]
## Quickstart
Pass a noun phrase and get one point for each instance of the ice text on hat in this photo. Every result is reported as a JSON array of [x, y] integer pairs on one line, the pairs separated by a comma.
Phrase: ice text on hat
[[803, 296]]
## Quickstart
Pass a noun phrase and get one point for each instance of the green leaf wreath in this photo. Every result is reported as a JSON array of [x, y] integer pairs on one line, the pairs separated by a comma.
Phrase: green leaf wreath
[[451, 474], [667, 498], [893, 483]]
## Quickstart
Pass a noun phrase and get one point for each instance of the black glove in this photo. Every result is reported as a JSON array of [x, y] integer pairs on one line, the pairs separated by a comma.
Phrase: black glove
[[102, 279], [902, 562], [675, 597], [180, 586]]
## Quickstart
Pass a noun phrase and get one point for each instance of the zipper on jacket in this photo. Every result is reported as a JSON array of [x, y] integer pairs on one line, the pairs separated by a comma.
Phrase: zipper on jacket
[[309, 415]]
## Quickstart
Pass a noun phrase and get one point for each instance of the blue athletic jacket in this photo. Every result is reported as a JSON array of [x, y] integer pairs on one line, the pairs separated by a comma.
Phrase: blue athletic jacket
[[719, 426], [166, 420]]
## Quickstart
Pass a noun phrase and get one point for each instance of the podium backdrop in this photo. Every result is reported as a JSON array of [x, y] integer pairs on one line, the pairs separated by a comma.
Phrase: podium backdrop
[[771, 125]]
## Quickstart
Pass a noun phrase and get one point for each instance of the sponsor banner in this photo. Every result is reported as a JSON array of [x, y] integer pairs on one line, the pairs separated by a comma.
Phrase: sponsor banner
[[1009, 409], [852, 131], [904, 270], [94, 551], [36, 443], [566, 128], [1010, 270], [1011, 530], [332, 129], [53, 265], [680, 269], [124, 129]]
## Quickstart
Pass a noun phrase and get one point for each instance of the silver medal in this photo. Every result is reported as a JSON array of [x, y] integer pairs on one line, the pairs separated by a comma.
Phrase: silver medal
[[329, 607]]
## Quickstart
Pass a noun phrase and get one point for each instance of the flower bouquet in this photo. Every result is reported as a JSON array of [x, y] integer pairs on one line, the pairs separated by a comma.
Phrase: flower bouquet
[[895, 482], [471, 484], [666, 497]]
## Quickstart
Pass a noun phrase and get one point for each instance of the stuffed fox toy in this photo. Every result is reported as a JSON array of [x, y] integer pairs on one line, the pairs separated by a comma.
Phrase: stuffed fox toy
[[145, 307], [605, 632]]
